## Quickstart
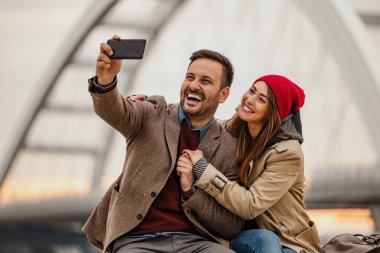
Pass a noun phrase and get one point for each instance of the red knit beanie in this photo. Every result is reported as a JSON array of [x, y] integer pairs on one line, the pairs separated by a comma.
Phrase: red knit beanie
[[289, 97]]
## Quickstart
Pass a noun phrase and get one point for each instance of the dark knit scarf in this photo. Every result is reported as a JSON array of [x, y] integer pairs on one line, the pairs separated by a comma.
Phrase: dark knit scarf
[[291, 127]]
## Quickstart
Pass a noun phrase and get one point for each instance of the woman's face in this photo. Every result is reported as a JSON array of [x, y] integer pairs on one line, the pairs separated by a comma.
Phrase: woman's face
[[254, 107]]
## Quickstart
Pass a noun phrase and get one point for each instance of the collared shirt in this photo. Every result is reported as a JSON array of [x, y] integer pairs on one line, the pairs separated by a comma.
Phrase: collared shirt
[[182, 116]]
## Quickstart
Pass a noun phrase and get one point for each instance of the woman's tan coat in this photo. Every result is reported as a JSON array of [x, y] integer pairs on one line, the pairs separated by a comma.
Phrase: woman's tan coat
[[275, 198]]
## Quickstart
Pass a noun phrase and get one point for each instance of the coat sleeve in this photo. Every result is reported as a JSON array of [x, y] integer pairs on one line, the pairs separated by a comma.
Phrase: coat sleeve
[[280, 172], [216, 218], [123, 115]]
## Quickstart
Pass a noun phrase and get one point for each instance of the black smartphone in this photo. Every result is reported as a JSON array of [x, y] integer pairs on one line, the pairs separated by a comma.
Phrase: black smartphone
[[127, 48]]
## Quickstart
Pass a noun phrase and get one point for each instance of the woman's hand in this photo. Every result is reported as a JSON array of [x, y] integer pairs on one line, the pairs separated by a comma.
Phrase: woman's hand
[[185, 171], [137, 97], [194, 155]]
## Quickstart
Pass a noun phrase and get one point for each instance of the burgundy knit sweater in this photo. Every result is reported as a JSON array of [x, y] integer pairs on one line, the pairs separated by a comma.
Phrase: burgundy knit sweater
[[166, 213]]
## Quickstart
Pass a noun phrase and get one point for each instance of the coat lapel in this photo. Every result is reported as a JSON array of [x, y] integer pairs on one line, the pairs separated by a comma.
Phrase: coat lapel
[[208, 145], [210, 141], [172, 129]]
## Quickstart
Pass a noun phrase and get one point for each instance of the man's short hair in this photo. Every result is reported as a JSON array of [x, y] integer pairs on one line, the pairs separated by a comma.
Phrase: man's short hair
[[228, 69]]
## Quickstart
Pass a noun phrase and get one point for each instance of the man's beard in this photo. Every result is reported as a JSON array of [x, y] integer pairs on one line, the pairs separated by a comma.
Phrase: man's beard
[[207, 109]]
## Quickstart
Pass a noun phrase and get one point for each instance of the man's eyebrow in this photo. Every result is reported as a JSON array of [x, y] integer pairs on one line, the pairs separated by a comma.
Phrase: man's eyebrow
[[208, 77]]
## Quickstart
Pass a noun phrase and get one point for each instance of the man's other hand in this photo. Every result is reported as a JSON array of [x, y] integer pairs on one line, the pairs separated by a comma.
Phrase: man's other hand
[[185, 171]]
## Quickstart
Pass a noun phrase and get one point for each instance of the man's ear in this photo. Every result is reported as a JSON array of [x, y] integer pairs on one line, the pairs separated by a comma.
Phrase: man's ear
[[224, 93]]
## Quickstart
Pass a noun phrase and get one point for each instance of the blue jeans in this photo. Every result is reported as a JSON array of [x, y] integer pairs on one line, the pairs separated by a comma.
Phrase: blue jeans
[[258, 241]]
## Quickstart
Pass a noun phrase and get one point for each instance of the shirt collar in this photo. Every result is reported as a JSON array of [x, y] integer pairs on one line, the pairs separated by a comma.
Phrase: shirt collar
[[182, 116]]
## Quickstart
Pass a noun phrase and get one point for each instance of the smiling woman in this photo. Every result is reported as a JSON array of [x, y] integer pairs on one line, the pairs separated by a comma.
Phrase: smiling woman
[[271, 198], [254, 106]]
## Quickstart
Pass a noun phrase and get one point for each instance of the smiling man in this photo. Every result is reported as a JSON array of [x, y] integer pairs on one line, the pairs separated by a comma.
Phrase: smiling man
[[204, 88], [149, 208]]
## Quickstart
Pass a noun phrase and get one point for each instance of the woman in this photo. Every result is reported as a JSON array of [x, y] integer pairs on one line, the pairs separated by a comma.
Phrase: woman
[[271, 171]]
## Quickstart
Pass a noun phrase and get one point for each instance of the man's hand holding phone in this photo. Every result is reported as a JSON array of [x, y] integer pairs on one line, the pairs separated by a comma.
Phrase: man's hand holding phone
[[107, 69], [111, 53]]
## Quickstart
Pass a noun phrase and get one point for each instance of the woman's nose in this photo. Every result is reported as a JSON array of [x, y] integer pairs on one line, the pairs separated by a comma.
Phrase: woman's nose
[[251, 99]]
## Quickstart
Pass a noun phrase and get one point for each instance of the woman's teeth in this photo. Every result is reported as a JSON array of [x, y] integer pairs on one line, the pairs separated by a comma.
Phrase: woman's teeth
[[247, 109]]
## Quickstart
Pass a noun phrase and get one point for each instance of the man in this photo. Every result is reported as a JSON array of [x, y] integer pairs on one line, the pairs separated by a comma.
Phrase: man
[[149, 208]]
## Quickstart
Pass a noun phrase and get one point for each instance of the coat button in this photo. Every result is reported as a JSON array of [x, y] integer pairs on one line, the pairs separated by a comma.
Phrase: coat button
[[153, 194], [140, 216]]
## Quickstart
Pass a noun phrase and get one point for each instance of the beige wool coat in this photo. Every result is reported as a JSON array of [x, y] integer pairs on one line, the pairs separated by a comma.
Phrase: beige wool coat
[[275, 198], [151, 130]]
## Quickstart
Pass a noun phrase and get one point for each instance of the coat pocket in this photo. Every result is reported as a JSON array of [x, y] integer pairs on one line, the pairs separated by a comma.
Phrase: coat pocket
[[114, 199], [309, 238]]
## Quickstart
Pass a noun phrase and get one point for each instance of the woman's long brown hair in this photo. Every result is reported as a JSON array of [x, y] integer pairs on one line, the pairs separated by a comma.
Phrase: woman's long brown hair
[[249, 149]]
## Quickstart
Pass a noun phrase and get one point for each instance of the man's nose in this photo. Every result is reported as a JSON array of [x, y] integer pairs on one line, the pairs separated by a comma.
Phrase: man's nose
[[194, 85]]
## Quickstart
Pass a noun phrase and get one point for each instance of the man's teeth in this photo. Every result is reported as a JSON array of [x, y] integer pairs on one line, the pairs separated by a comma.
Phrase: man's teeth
[[194, 96], [247, 109]]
